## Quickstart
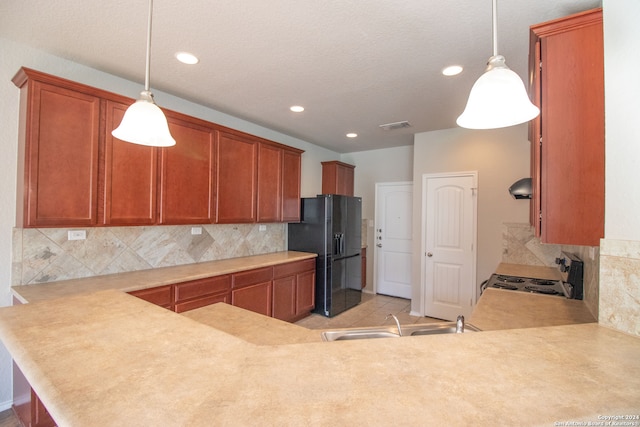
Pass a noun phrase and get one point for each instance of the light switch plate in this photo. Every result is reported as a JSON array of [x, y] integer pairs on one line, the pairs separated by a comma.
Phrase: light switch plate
[[262, 227], [76, 234], [196, 230]]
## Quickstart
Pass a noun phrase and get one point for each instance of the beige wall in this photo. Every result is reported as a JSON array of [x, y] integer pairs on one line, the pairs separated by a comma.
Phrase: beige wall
[[386, 165], [500, 158], [620, 249]]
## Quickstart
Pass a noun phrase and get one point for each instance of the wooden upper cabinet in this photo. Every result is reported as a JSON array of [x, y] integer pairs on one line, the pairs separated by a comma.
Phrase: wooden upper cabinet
[[269, 195], [59, 141], [130, 176], [569, 88], [187, 174], [74, 173], [291, 169], [337, 178], [237, 166]]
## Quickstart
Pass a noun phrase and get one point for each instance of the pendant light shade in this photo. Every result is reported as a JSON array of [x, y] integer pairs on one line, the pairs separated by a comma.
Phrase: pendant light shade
[[498, 98], [144, 122]]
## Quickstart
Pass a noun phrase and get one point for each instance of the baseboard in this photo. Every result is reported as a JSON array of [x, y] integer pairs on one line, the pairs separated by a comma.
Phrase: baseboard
[[5, 405]]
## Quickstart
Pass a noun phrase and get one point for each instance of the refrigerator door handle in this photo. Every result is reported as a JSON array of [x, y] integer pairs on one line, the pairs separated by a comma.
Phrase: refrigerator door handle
[[341, 243], [336, 244]]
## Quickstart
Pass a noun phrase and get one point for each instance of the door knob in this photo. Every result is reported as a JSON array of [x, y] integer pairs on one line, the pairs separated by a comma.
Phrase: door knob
[[379, 245], [429, 254]]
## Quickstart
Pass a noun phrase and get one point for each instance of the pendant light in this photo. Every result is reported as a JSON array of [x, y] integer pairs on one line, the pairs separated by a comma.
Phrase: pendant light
[[143, 122], [498, 98]]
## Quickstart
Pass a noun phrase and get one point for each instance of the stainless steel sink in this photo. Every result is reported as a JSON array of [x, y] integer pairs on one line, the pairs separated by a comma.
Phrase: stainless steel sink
[[392, 331], [357, 334], [436, 329]]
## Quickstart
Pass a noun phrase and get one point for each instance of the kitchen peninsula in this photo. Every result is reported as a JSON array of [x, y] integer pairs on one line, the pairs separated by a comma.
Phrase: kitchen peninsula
[[107, 358]]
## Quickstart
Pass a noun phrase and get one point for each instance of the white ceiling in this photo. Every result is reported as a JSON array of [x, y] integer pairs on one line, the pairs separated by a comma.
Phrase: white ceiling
[[353, 64]]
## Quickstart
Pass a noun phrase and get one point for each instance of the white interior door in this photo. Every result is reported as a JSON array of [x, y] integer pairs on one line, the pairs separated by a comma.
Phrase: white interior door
[[449, 225], [393, 237]]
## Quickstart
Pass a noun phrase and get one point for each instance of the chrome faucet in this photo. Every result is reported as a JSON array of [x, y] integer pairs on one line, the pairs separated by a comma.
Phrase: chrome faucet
[[460, 324], [397, 322]]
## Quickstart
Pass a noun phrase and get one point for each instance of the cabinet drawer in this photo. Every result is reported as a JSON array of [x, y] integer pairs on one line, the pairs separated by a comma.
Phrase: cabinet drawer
[[252, 277], [160, 295], [295, 267], [201, 287], [204, 301]]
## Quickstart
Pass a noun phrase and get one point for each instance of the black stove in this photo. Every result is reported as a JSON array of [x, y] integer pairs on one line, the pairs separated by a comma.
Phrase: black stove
[[569, 286]]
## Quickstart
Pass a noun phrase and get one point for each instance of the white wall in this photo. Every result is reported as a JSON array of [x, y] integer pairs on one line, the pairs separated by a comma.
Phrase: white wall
[[386, 165], [500, 157], [13, 57], [622, 106]]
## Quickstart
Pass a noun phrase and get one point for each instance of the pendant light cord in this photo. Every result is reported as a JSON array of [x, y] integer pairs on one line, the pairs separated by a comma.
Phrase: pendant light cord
[[495, 27], [147, 68]]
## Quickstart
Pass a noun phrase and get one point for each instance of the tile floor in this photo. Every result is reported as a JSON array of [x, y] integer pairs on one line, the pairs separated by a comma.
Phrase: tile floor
[[372, 311]]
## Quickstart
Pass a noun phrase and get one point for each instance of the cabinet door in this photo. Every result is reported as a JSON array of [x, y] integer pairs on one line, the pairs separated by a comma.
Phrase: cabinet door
[[160, 295], [130, 176], [291, 186], [337, 178], [61, 157], [284, 298], [269, 197], [256, 298], [572, 128], [202, 292], [187, 174], [236, 179], [305, 292]]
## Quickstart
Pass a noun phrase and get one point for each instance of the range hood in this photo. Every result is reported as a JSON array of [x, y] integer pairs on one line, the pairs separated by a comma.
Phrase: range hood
[[521, 189]]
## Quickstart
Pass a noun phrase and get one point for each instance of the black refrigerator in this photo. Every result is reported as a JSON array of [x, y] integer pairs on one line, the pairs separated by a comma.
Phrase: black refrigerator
[[330, 225]]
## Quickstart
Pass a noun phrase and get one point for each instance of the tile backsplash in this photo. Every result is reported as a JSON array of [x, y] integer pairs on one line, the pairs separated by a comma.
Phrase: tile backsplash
[[43, 255], [520, 246]]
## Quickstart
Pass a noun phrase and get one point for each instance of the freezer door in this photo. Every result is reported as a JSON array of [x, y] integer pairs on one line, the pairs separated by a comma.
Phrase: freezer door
[[336, 300], [353, 235], [353, 284]]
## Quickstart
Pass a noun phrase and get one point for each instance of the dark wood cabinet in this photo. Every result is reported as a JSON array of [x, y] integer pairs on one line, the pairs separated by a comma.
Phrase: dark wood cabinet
[[187, 174], [202, 292], [278, 196], [159, 295], [363, 257], [567, 65], [291, 170], [337, 178], [294, 290], [237, 162], [252, 290], [130, 176], [74, 173], [59, 142], [269, 194]]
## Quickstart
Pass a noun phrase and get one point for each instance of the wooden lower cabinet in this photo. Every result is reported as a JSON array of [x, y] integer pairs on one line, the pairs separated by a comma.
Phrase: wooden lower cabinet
[[160, 295], [284, 291], [202, 292], [252, 290], [294, 290]]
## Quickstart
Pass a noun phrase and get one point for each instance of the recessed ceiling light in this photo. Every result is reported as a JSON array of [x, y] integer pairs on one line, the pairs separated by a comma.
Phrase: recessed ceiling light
[[452, 70], [297, 109], [352, 135], [187, 58]]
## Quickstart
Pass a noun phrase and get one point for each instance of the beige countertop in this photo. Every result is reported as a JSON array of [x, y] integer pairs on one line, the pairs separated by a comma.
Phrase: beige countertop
[[110, 359], [533, 271], [142, 279], [502, 309], [252, 327]]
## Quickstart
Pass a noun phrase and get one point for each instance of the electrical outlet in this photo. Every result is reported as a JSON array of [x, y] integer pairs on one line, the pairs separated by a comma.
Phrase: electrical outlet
[[262, 227], [196, 230], [76, 235]]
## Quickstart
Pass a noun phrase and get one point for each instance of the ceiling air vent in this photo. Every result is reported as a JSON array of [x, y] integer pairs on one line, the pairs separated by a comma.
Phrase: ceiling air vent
[[396, 125]]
